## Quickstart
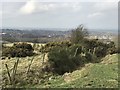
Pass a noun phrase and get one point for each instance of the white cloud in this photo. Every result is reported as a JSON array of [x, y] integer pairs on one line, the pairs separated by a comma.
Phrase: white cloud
[[33, 6], [96, 14], [28, 8]]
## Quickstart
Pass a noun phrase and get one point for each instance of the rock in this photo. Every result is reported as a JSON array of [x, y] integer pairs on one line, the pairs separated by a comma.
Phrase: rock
[[66, 74], [67, 77]]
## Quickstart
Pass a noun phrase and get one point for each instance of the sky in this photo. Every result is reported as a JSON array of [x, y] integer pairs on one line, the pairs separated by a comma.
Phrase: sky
[[94, 14]]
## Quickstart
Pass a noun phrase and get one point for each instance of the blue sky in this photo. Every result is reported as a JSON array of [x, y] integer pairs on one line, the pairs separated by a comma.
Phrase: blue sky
[[96, 14]]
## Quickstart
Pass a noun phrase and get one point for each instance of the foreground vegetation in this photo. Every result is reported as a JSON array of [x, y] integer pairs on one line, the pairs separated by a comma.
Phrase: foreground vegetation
[[78, 62], [103, 74]]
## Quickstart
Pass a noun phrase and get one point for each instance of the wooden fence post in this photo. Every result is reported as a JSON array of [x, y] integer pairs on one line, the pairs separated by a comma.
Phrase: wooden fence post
[[9, 77]]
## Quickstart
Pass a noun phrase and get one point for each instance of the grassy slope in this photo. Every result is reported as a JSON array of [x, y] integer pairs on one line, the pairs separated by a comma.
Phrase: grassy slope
[[102, 74]]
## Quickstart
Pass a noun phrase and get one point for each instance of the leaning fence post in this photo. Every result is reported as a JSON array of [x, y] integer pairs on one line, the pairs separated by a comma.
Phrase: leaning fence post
[[14, 71], [30, 65], [76, 52], [43, 58], [10, 81]]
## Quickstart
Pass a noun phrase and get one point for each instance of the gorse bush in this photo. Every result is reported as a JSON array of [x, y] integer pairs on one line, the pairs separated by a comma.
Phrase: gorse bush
[[100, 49], [62, 59], [76, 49], [51, 45], [18, 50], [68, 58], [88, 56], [23, 46]]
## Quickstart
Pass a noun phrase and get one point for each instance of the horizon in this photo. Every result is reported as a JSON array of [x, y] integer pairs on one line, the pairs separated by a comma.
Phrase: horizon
[[62, 29], [57, 28]]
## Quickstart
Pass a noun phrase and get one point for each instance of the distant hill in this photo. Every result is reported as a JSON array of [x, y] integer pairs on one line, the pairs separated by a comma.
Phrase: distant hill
[[34, 33], [29, 34]]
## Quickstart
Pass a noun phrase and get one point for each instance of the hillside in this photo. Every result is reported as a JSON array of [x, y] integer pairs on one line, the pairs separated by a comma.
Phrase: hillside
[[103, 74]]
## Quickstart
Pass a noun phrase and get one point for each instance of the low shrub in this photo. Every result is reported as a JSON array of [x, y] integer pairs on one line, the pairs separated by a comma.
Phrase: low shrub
[[63, 59], [100, 51], [18, 50], [51, 45], [112, 50], [66, 57]]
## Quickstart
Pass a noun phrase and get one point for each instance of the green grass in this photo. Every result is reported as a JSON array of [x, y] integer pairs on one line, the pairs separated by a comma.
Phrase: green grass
[[97, 75], [93, 75]]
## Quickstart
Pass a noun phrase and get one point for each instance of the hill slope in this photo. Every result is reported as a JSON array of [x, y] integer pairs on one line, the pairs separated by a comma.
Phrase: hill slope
[[103, 74]]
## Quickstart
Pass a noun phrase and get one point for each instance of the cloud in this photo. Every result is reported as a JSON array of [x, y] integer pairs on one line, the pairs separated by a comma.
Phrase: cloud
[[28, 8], [33, 6], [45, 7], [96, 14], [105, 6], [102, 8], [76, 6]]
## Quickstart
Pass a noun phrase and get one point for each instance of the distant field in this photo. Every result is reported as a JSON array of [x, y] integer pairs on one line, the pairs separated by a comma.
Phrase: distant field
[[11, 44], [104, 74]]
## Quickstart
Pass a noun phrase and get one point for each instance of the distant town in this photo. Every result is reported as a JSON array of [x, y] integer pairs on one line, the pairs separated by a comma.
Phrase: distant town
[[46, 35]]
